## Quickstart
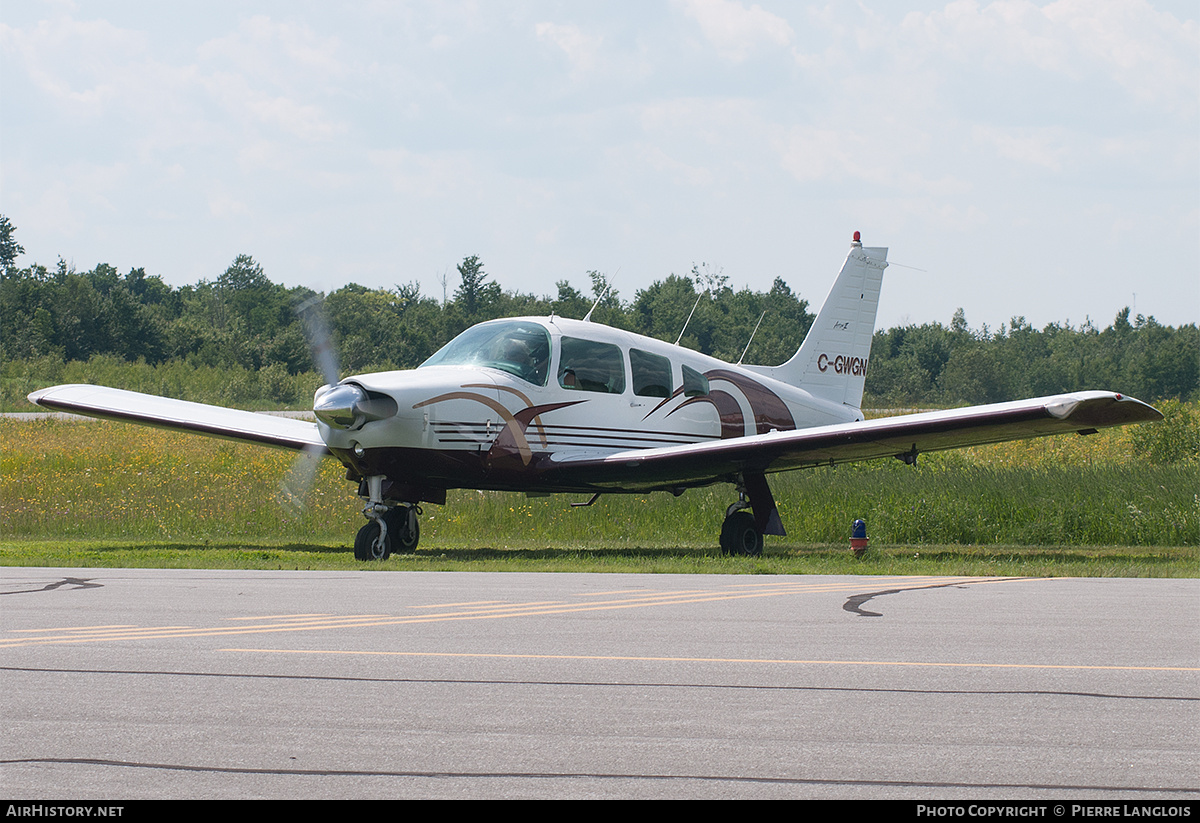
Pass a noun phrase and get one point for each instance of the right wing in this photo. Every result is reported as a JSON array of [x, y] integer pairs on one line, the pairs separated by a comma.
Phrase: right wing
[[183, 415], [905, 437]]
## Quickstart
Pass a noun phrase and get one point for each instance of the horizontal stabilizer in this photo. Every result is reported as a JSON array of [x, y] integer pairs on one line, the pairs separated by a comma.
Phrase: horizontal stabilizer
[[182, 415]]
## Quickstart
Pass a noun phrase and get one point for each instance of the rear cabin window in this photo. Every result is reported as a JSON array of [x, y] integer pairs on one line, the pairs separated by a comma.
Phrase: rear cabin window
[[651, 374], [694, 383], [586, 365]]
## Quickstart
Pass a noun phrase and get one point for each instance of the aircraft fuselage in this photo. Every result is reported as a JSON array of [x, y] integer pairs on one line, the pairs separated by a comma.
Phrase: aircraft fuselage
[[506, 422]]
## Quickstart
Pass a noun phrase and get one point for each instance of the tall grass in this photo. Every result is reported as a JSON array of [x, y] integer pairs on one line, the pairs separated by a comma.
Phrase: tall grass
[[98, 479], [86, 480]]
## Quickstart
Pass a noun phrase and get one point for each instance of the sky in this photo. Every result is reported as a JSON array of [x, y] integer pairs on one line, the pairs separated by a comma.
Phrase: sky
[[1032, 159]]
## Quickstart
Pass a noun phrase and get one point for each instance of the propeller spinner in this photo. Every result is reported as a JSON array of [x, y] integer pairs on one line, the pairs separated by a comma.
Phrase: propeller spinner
[[347, 406]]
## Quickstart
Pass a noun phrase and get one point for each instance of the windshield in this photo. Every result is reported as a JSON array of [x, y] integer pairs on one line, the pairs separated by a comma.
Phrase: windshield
[[517, 347]]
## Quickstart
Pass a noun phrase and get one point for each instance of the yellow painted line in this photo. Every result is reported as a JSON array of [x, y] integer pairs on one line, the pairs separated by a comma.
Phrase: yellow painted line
[[314, 620], [105, 630], [171, 632], [753, 660], [658, 595], [611, 593], [282, 616], [291, 623], [79, 628], [459, 605], [499, 604]]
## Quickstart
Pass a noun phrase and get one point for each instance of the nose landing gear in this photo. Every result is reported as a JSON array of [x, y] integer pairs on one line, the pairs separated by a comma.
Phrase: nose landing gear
[[394, 527]]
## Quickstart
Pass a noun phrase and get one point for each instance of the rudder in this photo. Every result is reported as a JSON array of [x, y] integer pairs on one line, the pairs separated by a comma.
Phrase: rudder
[[832, 361]]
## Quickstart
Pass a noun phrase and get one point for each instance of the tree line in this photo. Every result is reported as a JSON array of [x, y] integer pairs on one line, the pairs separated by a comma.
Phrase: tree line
[[241, 323]]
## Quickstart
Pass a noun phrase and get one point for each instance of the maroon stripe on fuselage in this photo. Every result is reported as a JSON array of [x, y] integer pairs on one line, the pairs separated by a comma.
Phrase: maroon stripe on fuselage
[[770, 412]]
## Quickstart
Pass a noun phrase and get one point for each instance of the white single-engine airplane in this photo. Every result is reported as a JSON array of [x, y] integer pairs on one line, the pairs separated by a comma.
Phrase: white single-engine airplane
[[547, 405]]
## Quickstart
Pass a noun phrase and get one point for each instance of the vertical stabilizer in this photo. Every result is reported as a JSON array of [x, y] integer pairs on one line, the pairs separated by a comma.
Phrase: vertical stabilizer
[[832, 362]]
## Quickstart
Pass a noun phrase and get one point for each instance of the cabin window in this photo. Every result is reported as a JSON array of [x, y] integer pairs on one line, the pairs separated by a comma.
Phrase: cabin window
[[651, 374], [694, 383], [586, 365], [517, 347]]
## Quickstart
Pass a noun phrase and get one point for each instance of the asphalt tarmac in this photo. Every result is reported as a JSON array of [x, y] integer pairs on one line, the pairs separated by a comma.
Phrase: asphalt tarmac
[[125, 684]]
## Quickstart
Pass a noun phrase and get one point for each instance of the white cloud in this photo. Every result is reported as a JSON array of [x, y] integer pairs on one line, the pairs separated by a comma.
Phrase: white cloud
[[582, 50], [1150, 53], [304, 120], [276, 51], [433, 176], [652, 158], [1046, 148], [271, 72], [811, 153], [736, 31], [77, 63], [223, 205]]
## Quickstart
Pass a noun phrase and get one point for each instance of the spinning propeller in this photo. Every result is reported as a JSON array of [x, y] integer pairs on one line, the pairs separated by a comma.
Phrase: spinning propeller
[[298, 483]]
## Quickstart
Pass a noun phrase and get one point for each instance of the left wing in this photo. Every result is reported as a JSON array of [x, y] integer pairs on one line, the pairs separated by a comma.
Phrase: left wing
[[183, 415], [904, 437]]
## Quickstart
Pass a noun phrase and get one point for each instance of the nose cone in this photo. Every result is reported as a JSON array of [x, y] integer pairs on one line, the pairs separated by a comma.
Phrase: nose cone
[[339, 407], [348, 406]]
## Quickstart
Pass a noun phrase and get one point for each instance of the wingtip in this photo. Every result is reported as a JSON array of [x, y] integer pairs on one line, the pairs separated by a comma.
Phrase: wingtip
[[35, 397], [1101, 409], [1137, 410]]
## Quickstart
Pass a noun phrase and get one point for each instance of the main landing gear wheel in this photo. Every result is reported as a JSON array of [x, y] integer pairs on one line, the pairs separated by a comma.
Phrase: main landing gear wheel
[[370, 544], [740, 536]]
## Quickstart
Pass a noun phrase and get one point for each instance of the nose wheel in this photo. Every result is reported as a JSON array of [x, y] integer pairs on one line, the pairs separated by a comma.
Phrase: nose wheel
[[389, 528], [397, 531], [372, 542]]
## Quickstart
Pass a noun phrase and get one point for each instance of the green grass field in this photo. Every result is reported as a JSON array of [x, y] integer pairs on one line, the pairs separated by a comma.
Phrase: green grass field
[[105, 494]]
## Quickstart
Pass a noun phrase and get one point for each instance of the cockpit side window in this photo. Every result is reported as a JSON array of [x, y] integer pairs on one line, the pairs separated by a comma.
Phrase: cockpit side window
[[651, 374], [586, 365], [519, 348], [694, 383]]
